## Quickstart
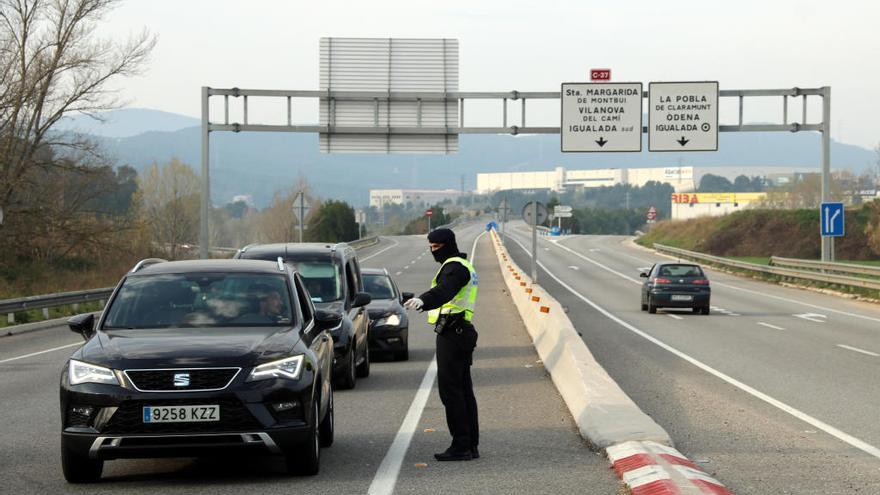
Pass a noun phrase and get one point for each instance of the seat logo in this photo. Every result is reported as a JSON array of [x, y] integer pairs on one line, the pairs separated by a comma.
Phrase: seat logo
[[181, 379]]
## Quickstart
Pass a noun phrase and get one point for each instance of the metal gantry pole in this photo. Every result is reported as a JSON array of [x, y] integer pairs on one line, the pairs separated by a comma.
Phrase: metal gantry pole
[[204, 232], [827, 242], [302, 214], [535, 242]]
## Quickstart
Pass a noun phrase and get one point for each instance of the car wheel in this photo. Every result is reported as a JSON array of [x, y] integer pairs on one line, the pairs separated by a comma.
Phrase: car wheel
[[347, 380], [651, 308], [696, 309], [363, 369], [705, 310], [328, 424], [644, 307], [307, 461], [78, 468]]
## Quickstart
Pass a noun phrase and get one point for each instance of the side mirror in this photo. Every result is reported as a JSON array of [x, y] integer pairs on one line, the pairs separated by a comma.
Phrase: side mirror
[[643, 275], [406, 296], [361, 299], [326, 320], [83, 324]]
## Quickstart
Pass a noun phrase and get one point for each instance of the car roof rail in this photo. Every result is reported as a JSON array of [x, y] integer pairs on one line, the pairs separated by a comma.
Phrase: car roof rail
[[247, 247], [146, 262], [386, 272], [280, 263]]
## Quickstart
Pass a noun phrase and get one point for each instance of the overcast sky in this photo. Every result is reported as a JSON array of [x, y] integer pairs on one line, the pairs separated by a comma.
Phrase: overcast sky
[[527, 46]]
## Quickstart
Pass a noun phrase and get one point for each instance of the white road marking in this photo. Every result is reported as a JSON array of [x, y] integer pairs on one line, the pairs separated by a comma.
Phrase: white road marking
[[856, 349], [398, 273], [841, 435], [774, 327], [674, 316], [595, 250], [407, 266], [386, 476], [814, 317], [573, 267], [16, 358], [600, 265], [377, 253]]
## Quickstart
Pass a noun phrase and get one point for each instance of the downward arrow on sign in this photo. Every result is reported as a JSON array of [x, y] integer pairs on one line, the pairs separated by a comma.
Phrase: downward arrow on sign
[[601, 142], [683, 141]]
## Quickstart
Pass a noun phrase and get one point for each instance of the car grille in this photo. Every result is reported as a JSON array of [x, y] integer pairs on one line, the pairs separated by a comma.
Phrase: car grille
[[196, 379], [129, 418]]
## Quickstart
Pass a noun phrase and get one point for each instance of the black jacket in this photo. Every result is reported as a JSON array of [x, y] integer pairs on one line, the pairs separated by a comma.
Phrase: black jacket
[[450, 280]]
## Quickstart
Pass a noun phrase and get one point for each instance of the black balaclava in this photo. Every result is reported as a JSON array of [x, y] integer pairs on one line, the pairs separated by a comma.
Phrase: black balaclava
[[447, 238]]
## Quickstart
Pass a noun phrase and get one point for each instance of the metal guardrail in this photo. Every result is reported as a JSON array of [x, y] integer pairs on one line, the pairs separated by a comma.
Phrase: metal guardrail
[[771, 270], [11, 306], [826, 266]]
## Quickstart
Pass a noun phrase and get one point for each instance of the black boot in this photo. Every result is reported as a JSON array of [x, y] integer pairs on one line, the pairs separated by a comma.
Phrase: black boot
[[453, 455]]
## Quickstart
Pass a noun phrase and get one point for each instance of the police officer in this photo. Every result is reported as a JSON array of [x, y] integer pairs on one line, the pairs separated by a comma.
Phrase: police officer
[[450, 304]]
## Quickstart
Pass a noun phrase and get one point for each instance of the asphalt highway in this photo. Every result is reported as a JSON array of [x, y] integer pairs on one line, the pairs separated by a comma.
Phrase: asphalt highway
[[776, 391], [387, 428]]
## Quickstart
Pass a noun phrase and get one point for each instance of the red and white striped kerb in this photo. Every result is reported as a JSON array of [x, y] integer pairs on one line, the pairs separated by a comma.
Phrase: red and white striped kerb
[[650, 468]]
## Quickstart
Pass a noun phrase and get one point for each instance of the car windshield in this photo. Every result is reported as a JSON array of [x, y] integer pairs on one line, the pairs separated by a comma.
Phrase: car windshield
[[200, 300], [378, 286], [680, 271], [323, 279]]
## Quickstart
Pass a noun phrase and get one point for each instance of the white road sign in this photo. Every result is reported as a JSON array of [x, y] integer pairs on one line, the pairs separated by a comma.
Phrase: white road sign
[[683, 116], [561, 208], [601, 117]]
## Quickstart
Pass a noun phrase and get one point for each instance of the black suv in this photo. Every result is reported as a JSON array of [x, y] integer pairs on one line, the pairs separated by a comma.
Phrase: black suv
[[332, 276], [195, 358]]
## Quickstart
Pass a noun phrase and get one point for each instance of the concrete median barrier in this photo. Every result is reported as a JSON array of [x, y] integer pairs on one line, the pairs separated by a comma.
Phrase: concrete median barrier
[[605, 415]]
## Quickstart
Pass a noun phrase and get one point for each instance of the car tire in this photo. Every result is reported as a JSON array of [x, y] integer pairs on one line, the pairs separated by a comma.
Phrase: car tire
[[80, 469], [347, 380], [363, 369], [644, 307], [651, 308], [705, 310], [307, 460], [696, 309], [328, 424]]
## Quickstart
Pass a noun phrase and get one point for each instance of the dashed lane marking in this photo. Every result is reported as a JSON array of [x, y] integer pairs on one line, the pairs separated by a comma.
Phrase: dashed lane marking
[[377, 253], [674, 316], [398, 273], [774, 327], [814, 317], [856, 349]]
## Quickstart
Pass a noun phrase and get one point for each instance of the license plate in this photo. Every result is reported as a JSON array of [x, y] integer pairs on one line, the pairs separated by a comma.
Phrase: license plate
[[181, 414], [681, 297]]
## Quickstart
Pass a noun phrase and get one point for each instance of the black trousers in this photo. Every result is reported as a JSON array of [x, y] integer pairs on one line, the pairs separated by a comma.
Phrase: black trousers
[[454, 358]]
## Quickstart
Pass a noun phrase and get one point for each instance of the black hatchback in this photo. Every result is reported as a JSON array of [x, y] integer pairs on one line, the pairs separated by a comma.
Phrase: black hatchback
[[389, 322], [676, 285], [194, 358]]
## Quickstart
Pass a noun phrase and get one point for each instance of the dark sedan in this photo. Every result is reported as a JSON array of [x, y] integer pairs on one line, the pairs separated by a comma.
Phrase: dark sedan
[[194, 358], [389, 324], [676, 285]]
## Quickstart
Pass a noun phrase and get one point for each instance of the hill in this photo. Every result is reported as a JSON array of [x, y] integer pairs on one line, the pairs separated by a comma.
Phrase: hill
[[260, 163]]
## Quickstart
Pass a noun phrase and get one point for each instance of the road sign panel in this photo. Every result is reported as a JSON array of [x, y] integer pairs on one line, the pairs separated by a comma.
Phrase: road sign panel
[[528, 213], [601, 117], [429, 213], [600, 74], [832, 224], [561, 208], [683, 116], [563, 214]]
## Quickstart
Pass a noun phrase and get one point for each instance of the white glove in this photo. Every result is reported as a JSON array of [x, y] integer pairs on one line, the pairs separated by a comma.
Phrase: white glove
[[414, 303]]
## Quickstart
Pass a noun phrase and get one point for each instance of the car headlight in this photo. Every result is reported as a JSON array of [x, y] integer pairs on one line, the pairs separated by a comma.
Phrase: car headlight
[[79, 372], [289, 368], [391, 320]]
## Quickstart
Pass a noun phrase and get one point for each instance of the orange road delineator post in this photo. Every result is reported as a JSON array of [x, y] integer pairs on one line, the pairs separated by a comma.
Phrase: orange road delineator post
[[529, 290], [536, 298], [545, 309]]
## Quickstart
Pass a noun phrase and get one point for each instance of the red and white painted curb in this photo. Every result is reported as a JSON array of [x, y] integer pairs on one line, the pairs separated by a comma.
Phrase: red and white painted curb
[[650, 468]]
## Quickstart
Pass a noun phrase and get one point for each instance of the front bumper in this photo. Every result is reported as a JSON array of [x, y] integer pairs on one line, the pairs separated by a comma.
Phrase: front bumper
[[248, 419], [388, 338]]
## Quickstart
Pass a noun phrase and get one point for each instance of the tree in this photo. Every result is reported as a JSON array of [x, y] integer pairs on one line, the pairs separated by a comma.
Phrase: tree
[[170, 197], [333, 222], [52, 64], [714, 183]]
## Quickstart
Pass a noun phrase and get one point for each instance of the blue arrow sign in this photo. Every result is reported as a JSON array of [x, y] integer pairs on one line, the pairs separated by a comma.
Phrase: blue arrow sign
[[831, 219]]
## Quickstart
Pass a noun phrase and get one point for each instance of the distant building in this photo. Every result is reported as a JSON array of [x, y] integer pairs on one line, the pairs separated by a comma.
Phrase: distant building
[[561, 179], [693, 205], [418, 197], [244, 198]]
